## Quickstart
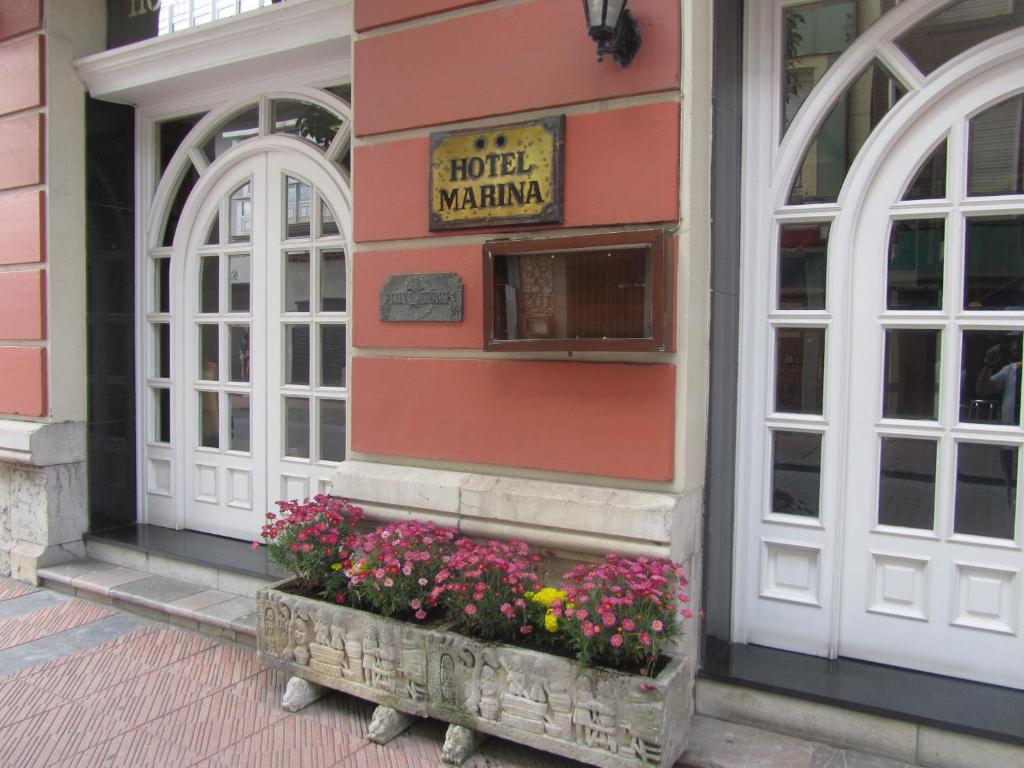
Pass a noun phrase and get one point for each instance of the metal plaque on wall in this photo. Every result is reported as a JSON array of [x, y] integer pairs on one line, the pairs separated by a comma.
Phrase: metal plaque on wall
[[418, 298], [511, 174]]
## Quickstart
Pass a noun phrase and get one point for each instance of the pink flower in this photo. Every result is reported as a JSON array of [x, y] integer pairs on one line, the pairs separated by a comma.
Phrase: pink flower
[[647, 687], [526, 629], [470, 610], [421, 614], [645, 640], [389, 582], [628, 625], [657, 626], [422, 582], [616, 641], [415, 604], [687, 613], [507, 610], [608, 619]]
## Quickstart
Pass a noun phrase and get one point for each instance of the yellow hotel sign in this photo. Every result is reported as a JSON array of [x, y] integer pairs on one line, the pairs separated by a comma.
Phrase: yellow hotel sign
[[506, 175]]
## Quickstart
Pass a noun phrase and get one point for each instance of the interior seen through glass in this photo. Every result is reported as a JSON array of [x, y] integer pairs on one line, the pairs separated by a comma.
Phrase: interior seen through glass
[[599, 294], [914, 275], [906, 488], [796, 473], [994, 263], [996, 152], [930, 181], [803, 251], [911, 375], [856, 114], [800, 370], [986, 490]]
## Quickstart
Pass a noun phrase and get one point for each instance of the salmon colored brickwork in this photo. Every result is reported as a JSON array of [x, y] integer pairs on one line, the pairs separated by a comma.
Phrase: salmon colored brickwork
[[610, 419], [22, 305], [21, 144], [22, 225], [377, 13], [372, 268], [621, 166], [21, 74], [23, 373], [492, 63], [20, 16]]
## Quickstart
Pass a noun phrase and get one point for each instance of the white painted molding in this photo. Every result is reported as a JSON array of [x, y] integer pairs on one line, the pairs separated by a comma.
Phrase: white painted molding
[[41, 444], [292, 36]]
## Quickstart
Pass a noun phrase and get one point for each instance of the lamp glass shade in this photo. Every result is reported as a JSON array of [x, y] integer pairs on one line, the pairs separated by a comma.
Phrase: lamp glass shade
[[603, 15]]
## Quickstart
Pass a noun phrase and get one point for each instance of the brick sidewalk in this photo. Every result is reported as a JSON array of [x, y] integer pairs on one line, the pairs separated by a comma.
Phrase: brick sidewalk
[[82, 685]]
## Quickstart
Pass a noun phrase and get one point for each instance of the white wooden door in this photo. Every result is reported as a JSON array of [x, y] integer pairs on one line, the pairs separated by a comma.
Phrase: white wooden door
[[932, 572], [265, 337]]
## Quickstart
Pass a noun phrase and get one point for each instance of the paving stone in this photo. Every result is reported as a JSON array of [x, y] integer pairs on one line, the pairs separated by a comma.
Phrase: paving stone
[[199, 600], [146, 698], [103, 581], [154, 591], [28, 602], [56, 734], [48, 621], [135, 748], [10, 589], [228, 611], [219, 667], [22, 699]]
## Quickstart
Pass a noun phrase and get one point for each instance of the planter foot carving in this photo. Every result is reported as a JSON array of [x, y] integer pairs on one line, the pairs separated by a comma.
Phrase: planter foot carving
[[387, 723], [300, 694], [460, 743]]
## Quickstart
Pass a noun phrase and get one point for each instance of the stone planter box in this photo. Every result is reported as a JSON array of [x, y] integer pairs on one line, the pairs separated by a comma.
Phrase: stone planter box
[[596, 715]]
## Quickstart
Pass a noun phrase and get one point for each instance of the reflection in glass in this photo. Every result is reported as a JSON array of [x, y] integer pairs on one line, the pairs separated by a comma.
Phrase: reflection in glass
[[209, 284], [996, 152], [916, 249], [171, 133], [238, 282], [209, 420], [178, 205], [958, 27], [995, 263], [305, 120], [906, 487], [911, 374], [930, 182], [296, 427], [297, 196], [238, 349], [815, 36], [296, 282], [332, 355], [332, 281], [843, 133], [799, 370], [332, 430], [163, 350], [213, 234], [244, 125], [208, 352], [240, 214], [986, 490], [162, 422], [802, 257], [238, 422], [990, 382], [297, 357], [163, 285], [796, 473], [328, 224]]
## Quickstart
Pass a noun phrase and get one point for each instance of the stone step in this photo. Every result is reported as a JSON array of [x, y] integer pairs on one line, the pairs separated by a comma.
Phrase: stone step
[[162, 597]]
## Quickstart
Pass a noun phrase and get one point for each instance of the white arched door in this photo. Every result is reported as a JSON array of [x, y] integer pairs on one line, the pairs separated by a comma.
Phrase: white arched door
[[932, 561], [263, 338]]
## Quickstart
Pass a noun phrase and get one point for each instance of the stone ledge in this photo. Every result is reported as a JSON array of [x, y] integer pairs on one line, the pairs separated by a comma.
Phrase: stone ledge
[[42, 444], [172, 600], [560, 516]]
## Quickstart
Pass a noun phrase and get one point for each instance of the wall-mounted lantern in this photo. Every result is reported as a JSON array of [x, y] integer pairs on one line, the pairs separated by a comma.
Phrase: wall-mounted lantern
[[613, 28]]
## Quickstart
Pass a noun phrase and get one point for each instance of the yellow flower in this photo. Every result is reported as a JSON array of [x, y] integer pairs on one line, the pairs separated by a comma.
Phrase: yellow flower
[[550, 622], [547, 596], [336, 567]]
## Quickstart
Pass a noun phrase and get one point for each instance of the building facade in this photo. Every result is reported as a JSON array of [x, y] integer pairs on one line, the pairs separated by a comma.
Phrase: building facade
[[767, 325]]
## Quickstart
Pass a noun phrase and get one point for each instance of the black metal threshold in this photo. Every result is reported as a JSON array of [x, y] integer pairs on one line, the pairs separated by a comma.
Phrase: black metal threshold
[[977, 709], [192, 547]]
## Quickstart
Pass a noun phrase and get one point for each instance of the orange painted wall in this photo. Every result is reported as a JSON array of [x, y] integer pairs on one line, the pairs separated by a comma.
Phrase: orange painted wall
[[609, 419], [524, 56], [371, 269], [23, 372], [22, 305], [381, 12], [621, 166], [22, 225]]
